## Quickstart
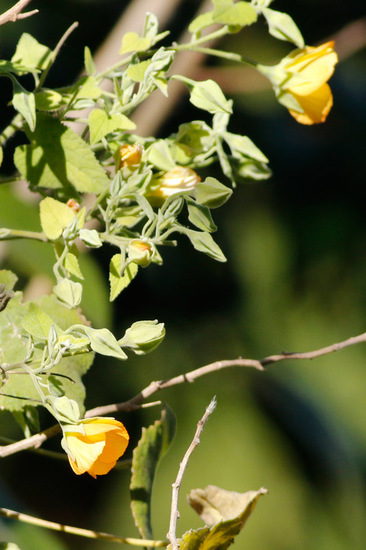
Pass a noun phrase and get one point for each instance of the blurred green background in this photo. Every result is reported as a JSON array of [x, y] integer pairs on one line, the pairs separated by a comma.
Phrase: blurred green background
[[295, 280]]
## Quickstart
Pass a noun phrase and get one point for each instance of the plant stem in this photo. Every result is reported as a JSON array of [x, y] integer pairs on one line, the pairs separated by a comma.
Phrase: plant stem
[[25, 518]]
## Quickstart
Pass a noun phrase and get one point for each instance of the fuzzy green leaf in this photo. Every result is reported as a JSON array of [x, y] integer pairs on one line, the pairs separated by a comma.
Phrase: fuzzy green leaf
[[14, 342], [101, 124], [132, 42], [55, 216], [153, 444], [200, 216], [104, 342], [31, 53], [119, 282], [58, 157], [203, 242], [207, 95], [212, 193], [283, 27]]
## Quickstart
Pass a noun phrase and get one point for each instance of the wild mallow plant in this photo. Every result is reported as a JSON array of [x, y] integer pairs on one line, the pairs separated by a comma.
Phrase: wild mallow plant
[[106, 185]]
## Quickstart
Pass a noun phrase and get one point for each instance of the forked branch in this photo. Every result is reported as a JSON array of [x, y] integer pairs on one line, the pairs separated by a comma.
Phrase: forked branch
[[137, 401], [15, 13]]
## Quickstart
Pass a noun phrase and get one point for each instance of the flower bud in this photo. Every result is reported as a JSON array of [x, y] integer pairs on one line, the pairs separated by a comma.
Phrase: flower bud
[[74, 205], [130, 155], [177, 180], [140, 252]]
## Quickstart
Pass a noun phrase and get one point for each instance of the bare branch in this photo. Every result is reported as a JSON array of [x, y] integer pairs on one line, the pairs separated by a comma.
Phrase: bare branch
[[174, 513], [25, 518], [15, 13], [136, 402]]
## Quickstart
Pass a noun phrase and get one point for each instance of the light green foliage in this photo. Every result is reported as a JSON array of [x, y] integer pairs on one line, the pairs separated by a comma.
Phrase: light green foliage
[[226, 512], [154, 443], [58, 158], [104, 186]]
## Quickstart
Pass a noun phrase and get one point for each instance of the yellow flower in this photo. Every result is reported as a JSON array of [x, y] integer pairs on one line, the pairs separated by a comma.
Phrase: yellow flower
[[130, 155], [94, 445], [300, 82], [177, 180]]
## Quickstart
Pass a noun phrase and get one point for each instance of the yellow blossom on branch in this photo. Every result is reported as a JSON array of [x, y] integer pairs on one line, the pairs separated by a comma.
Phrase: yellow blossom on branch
[[300, 82], [177, 180], [130, 155], [94, 445]]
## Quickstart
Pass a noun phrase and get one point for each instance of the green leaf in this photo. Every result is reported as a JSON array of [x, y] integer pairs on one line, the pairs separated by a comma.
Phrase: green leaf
[[143, 336], [153, 444], [14, 341], [8, 278], [101, 124], [226, 512], [212, 193], [203, 242], [239, 14], [38, 324], [160, 156], [55, 216], [119, 282], [104, 342], [48, 100], [283, 27], [31, 53], [25, 103], [72, 265], [90, 238], [200, 216], [201, 22], [137, 71], [68, 292], [88, 61], [207, 95], [132, 42], [244, 145], [58, 157]]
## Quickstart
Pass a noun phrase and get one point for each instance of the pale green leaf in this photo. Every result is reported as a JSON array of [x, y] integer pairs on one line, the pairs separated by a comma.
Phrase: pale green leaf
[[31, 53], [132, 42], [59, 157], [88, 61], [239, 14], [137, 71], [207, 95], [55, 216], [101, 124], [160, 156], [72, 265], [200, 216], [48, 100], [201, 22], [14, 341], [25, 103], [90, 238], [38, 324], [283, 27], [118, 281], [203, 242], [104, 342], [212, 193]]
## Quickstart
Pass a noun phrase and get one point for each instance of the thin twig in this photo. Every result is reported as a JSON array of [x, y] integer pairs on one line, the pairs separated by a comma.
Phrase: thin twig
[[136, 402], [14, 14], [174, 513], [80, 532]]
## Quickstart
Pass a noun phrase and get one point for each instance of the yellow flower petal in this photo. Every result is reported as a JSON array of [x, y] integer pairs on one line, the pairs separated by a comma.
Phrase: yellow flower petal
[[316, 106], [316, 67], [97, 449]]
